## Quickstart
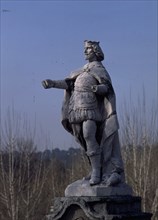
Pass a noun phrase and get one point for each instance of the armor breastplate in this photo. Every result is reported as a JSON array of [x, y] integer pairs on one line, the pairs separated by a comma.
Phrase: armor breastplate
[[83, 97], [84, 82]]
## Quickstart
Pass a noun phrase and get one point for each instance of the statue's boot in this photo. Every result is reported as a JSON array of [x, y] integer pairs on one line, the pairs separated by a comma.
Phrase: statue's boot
[[96, 169]]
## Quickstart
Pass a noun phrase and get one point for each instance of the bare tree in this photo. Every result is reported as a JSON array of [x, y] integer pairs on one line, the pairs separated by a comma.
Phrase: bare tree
[[22, 177], [139, 133]]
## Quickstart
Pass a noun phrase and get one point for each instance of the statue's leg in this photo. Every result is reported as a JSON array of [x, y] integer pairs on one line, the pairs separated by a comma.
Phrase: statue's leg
[[77, 132], [93, 150]]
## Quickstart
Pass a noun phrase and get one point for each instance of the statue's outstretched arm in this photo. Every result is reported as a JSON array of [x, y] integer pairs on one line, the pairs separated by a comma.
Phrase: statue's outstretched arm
[[59, 84]]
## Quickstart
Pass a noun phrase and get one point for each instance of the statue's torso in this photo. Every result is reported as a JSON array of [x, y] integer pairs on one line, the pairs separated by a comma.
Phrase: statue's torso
[[83, 97], [83, 102]]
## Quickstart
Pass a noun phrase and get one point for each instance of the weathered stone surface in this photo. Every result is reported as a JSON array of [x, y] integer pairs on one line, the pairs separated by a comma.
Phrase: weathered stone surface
[[98, 208], [89, 114], [83, 188]]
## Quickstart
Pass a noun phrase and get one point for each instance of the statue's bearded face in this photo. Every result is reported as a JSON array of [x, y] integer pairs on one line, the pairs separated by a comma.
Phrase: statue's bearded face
[[89, 53]]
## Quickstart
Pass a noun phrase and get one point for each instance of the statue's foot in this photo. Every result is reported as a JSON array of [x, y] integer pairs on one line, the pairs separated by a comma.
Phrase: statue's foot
[[112, 180], [94, 181], [95, 177], [105, 178]]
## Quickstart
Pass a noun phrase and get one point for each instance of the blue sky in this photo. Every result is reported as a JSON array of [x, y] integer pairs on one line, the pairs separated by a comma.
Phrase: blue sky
[[44, 39]]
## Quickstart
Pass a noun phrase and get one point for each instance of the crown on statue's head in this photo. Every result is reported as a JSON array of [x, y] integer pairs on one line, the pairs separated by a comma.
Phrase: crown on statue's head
[[90, 43]]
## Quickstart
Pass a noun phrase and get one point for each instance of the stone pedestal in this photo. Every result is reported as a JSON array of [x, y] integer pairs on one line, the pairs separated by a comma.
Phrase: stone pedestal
[[85, 202], [98, 208], [83, 188]]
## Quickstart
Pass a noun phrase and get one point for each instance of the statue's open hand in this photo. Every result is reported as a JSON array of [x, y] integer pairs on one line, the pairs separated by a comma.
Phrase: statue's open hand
[[48, 83]]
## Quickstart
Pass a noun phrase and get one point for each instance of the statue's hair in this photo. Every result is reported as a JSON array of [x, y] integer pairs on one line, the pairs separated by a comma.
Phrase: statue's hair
[[96, 48]]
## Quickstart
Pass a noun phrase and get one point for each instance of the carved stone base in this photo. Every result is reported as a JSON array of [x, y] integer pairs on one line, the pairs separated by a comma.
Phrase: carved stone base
[[98, 208], [83, 188]]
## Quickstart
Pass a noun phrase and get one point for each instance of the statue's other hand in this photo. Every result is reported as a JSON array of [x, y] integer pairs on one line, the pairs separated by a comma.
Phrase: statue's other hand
[[94, 88], [48, 83], [101, 89]]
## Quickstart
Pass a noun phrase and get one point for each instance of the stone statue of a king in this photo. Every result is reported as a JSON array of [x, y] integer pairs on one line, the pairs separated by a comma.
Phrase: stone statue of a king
[[89, 114]]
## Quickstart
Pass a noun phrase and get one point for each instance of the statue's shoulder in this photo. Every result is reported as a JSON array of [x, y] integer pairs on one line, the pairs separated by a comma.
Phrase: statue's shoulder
[[74, 74], [98, 70]]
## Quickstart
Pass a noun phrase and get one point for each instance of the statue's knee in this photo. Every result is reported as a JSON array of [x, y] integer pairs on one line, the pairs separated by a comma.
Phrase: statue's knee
[[89, 130]]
